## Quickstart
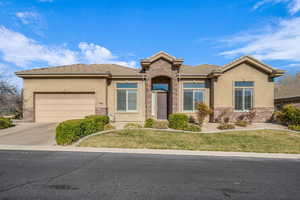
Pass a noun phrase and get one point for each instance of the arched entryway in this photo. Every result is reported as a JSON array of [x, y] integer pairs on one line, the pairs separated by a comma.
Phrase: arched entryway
[[161, 97]]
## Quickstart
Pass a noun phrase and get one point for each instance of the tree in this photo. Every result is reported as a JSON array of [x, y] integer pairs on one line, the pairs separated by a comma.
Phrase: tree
[[10, 98]]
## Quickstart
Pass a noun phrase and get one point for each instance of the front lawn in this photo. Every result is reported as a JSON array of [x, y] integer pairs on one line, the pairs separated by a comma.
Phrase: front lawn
[[263, 141]]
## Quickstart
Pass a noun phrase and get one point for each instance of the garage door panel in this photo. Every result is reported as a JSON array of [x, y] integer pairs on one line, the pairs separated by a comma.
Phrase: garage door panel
[[59, 107]]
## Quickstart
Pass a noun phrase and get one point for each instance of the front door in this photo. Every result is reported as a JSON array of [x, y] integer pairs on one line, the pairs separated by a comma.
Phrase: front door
[[162, 105]]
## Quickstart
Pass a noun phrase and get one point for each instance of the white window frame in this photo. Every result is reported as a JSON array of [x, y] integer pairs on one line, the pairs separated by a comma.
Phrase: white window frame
[[243, 98], [194, 90], [137, 99]]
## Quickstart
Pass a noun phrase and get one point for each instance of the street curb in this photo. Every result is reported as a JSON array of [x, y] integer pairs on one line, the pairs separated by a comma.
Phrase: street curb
[[152, 151]]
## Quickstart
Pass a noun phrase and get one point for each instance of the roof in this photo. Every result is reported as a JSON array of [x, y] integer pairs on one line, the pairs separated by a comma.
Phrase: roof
[[249, 59], [199, 69], [122, 71], [290, 90], [112, 69]]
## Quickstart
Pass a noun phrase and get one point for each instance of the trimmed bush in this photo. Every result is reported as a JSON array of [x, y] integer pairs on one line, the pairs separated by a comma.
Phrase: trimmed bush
[[5, 123], [161, 124], [70, 131], [149, 123], [178, 121], [109, 127], [225, 126], [241, 123], [294, 127], [193, 127], [99, 118], [132, 126]]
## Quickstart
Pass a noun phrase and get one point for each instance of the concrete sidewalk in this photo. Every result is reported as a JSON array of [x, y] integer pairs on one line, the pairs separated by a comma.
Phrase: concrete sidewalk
[[151, 151]]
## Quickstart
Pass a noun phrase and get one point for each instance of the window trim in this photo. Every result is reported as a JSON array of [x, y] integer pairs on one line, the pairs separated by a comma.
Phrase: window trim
[[244, 88], [126, 89], [193, 89]]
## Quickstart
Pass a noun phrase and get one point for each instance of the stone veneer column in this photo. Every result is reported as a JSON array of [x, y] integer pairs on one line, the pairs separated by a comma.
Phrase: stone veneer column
[[148, 98], [100, 111], [174, 93]]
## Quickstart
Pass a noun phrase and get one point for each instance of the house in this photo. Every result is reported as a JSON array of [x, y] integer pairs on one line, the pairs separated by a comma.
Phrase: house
[[161, 86], [287, 91]]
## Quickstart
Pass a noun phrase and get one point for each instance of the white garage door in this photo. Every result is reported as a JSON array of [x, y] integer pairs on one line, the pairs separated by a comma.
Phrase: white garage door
[[59, 107]]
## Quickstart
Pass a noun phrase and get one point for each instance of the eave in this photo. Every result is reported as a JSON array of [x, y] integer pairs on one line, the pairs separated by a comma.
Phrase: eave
[[61, 75]]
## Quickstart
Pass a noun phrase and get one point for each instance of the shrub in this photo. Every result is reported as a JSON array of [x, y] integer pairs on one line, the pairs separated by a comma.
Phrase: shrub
[[294, 127], [224, 117], [161, 124], [132, 126], [241, 123], [225, 126], [178, 121], [89, 126], [109, 127], [193, 127], [251, 115], [70, 131], [289, 115], [99, 118], [5, 123], [149, 123], [202, 111]]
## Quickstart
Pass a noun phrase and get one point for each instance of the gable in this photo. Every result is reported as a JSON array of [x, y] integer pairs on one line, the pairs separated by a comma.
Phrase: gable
[[262, 67]]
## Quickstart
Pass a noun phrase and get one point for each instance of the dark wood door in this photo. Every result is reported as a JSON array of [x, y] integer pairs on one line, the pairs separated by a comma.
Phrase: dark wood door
[[162, 105]]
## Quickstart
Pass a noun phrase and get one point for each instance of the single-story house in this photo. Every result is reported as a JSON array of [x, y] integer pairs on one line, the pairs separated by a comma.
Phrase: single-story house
[[161, 86]]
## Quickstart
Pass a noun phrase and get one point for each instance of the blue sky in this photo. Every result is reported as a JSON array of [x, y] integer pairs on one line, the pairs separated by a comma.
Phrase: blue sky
[[40, 33]]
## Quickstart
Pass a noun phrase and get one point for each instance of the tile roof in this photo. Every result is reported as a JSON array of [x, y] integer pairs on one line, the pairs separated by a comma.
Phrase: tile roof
[[84, 69], [112, 69], [199, 69]]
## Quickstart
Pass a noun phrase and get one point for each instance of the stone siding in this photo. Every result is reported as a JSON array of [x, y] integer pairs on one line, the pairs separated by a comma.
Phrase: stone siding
[[263, 114], [162, 67]]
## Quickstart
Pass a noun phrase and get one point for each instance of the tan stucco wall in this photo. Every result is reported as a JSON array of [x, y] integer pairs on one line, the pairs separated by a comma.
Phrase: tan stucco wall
[[97, 85], [138, 116], [224, 86]]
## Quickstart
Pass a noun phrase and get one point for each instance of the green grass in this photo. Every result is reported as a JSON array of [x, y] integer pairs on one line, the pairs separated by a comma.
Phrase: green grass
[[267, 141]]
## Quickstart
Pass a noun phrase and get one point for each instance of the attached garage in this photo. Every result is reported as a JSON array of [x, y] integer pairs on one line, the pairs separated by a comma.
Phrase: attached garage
[[57, 107]]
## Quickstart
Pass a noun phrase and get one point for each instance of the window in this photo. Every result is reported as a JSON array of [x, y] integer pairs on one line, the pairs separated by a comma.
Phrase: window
[[243, 95], [192, 94], [160, 86], [126, 97]]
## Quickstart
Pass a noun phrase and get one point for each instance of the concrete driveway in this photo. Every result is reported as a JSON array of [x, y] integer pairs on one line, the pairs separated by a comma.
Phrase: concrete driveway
[[41, 134]]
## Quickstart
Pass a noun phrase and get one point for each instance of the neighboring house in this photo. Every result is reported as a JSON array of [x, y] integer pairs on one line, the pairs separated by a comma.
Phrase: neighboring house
[[163, 85], [287, 91]]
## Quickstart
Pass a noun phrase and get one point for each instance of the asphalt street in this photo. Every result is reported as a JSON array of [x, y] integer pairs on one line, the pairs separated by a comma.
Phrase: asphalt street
[[74, 175]]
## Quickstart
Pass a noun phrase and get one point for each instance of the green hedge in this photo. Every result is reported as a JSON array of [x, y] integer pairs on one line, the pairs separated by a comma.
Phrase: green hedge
[[149, 123], [178, 121], [5, 123], [70, 131]]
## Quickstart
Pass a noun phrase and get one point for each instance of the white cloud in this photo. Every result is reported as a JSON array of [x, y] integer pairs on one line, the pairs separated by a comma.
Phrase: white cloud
[[93, 53], [276, 43], [293, 6], [25, 52], [22, 51], [28, 17]]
